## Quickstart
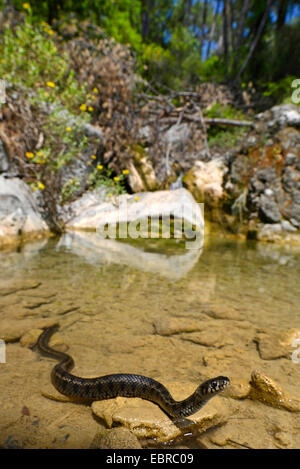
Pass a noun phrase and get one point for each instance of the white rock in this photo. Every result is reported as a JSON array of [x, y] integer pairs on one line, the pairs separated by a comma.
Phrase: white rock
[[93, 211], [287, 226], [286, 115], [19, 211], [268, 192]]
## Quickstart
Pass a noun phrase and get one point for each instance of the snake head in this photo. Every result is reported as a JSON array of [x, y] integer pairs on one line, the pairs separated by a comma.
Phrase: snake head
[[215, 385]]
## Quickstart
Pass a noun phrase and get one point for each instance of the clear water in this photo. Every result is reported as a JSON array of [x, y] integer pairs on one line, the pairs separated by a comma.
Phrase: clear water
[[110, 298]]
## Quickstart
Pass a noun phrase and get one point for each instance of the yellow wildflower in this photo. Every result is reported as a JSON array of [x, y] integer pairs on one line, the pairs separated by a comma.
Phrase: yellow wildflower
[[29, 154], [26, 6], [93, 157], [40, 161], [41, 186], [125, 171], [110, 194], [46, 94], [69, 129], [83, 107], [40, 153], [116, 178], [90, 108], [95, 90], [50, 84], [100, 166], [137, 198], [49, 31]]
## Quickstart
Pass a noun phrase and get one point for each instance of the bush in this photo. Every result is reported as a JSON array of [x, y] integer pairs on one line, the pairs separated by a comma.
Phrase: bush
[[224, 136]]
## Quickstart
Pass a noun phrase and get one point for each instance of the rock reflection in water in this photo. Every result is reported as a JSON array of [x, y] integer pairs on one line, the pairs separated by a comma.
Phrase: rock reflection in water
[[96, 250]]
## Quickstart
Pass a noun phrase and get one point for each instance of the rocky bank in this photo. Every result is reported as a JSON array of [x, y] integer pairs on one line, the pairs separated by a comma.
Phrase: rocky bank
[[252, 190]]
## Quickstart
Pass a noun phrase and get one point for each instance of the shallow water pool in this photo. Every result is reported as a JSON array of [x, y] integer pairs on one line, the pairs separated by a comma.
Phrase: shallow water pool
[[153, 308]]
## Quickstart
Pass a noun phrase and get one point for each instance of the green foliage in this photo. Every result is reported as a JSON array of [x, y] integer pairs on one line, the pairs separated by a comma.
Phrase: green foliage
[[65, 142], [121, 20], [226, 112], [103, 177], [212, 69], [280, 91], [174, 46], [69, 189], [224, 136], [179, 65], [33, 65], [31, 60]]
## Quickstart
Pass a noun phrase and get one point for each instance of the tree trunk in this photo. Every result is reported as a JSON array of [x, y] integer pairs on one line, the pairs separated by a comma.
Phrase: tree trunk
[[212, 29], [256, 39], [145, 20], [281, 13], [204, 16], [225, 36], [232, 29], [203, 33], [241, 25], [187, 12]]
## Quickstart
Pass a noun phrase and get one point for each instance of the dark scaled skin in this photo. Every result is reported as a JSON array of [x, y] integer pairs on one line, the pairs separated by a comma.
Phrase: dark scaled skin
[[124, 385]]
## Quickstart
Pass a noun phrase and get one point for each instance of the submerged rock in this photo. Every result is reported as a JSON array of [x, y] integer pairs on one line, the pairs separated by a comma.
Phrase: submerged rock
[[278, 344], [267, 391], [146, 420], [115, 438], [239, 388]]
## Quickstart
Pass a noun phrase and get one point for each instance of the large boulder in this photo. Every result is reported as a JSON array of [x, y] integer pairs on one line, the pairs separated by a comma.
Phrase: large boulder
[[18, 212], [165, 210]]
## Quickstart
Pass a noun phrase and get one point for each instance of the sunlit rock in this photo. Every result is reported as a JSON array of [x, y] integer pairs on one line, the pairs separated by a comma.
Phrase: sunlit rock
[[205, 181], [146, 420], [95, 211], [18, 211], [267, 391], [278, 344]]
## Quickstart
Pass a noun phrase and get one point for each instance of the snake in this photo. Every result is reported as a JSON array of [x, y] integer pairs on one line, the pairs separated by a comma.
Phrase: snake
[[124, 385]]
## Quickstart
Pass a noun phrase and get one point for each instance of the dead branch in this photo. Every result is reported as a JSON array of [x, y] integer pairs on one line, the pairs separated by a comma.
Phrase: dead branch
[[207, 120]]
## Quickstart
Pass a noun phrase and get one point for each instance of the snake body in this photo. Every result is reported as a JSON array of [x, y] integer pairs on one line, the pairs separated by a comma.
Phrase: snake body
[[125, 385]]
